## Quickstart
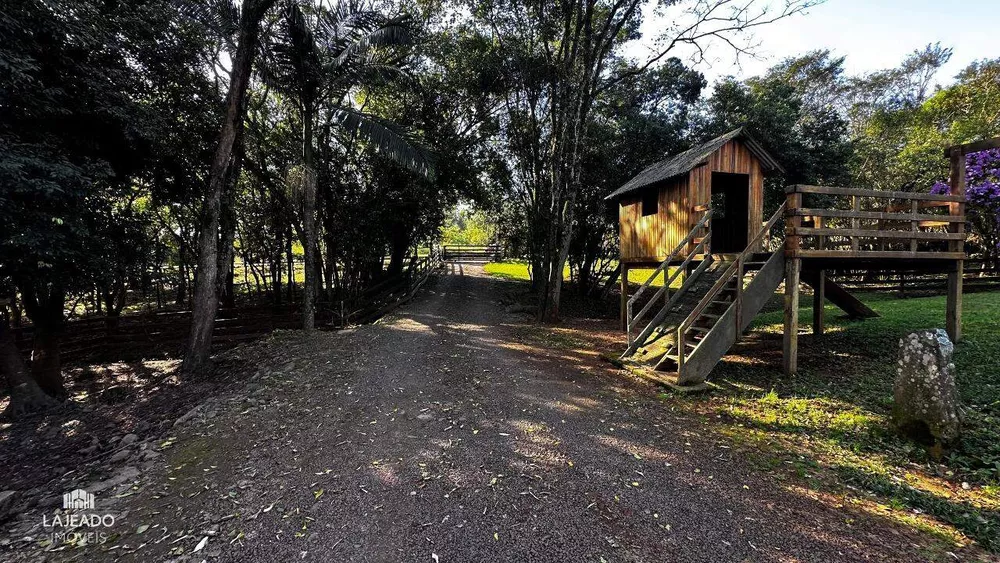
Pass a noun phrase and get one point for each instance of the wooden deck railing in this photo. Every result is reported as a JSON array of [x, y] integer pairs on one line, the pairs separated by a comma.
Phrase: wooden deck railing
[[856, 223]]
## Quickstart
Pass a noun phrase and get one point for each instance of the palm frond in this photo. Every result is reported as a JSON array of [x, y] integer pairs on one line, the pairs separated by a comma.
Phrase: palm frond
[[369, 75], [397, 32], [385, 138], [220, 16], [346, 18], [291, 60]]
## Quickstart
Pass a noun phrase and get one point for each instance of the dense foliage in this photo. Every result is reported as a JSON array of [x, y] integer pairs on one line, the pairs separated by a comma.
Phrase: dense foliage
[[982, 191], [185, 154]]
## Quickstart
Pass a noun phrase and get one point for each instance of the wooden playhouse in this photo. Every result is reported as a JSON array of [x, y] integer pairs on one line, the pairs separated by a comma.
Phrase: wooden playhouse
[[698, 218], [658, 208]]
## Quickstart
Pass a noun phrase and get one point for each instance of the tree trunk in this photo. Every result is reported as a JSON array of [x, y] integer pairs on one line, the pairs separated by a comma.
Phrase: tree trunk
[[536, 278], [290, 258], [309, 248], [25, 394], [159, 278], [46, 366], [206, 299], [399, 244], [584, 274], [182, 278], [114, 302], [562, 256], [15, 308], [46, 311], [329, 239], [227, 225], [225, 262], [276, 269], [610, 284]]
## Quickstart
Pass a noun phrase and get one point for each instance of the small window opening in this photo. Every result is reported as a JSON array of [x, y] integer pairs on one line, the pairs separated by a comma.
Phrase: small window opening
[[650, 202]]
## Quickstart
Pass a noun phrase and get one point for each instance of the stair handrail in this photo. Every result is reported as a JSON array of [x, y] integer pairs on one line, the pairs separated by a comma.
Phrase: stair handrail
[[663, 265], [633, 344], [736, 266]]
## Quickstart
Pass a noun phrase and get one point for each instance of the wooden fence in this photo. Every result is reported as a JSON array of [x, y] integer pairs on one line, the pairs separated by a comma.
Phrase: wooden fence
[[977, 277], [381, 298], [470, 253], [165, 332]]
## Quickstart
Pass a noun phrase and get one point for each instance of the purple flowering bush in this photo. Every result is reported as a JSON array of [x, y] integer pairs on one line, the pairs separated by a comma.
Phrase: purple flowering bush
[[982, 189]]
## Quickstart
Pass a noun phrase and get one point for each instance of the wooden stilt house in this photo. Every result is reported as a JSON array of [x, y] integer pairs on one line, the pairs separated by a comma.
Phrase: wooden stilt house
[[697, 219], [660, 206]]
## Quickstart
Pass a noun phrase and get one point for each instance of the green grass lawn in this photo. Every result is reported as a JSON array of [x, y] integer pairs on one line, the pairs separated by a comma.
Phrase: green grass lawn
[[831, 425], [518, 270], [513, 270]]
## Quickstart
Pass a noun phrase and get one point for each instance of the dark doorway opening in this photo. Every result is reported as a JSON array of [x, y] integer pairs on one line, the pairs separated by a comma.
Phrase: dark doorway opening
[[730, 212]]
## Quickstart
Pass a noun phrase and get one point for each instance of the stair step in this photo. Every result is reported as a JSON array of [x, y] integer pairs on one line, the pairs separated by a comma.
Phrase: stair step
[[711, 315], [703, 329]]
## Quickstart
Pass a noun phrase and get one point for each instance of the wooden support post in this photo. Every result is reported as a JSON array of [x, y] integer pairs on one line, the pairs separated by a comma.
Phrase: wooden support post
[[819, 299], [793, 269], [739, 294], [793, 222], [790, 350], [624, 281], [953, 313], [855, 222]]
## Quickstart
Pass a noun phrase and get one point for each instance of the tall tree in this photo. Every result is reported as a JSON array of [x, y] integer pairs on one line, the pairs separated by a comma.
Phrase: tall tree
[[882, 107], [74, 134], [638, 121], [206, 297], [317, 60], [560, 57], [793, 110]]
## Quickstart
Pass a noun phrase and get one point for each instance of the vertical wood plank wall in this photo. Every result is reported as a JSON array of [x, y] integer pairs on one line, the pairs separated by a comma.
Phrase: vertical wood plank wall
[[652, 238], [646, 238]]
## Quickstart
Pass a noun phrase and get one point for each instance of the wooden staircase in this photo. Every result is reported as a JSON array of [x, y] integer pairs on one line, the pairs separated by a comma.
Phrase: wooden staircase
[[707, 314]]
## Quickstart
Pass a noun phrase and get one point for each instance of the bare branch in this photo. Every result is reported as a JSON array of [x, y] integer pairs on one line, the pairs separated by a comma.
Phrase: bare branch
[[716, 21]]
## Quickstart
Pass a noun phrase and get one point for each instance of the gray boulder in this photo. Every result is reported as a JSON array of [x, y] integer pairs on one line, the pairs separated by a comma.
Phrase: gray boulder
[[925, 401]]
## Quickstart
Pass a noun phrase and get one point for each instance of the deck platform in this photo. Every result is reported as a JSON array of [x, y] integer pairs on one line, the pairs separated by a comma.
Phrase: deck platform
[[830, 228]]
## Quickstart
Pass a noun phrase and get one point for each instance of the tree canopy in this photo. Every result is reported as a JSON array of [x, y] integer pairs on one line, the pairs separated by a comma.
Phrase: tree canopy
[[159, 154]]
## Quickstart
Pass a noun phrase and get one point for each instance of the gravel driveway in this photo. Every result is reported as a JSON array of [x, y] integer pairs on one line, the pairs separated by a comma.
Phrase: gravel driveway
[[440, 435]]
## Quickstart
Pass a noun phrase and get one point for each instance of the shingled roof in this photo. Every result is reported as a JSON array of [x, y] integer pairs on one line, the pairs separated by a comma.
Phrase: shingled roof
[[687, 160]]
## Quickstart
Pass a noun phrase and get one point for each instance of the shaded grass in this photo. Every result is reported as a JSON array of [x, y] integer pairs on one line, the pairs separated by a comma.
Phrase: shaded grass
[[833, 418]]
